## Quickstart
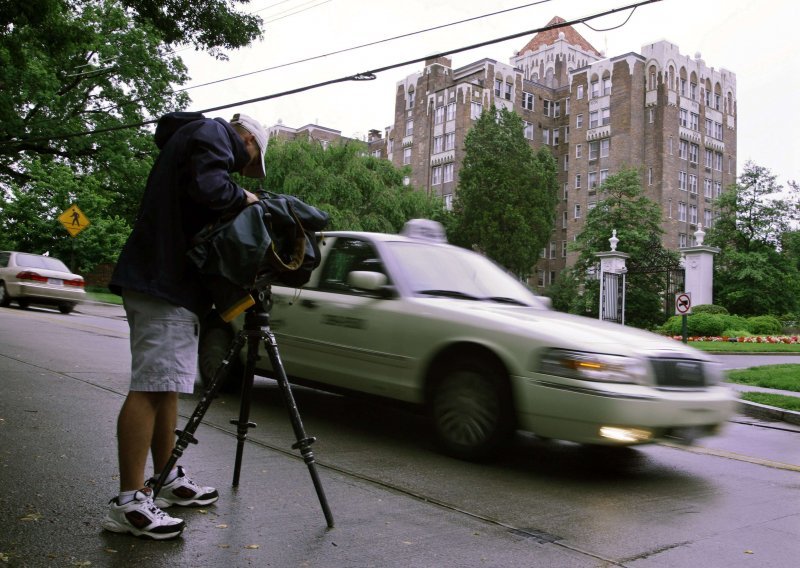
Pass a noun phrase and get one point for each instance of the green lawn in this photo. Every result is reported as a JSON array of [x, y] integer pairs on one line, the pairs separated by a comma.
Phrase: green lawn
[[782, 377], [776, 400], [102, 295], [730, 347]]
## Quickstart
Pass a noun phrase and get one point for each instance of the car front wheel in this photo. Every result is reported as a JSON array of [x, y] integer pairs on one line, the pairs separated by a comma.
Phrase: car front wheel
[[471, 409], [66, 308]]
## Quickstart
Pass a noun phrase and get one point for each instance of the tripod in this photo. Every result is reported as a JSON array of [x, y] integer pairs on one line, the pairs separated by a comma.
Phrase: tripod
[[256, 327]]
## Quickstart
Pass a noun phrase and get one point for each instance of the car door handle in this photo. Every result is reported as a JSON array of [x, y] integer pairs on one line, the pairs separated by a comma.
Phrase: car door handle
[[311, 304]]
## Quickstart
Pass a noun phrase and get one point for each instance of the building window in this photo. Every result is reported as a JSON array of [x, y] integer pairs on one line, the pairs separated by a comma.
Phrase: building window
[[693, 214], [682, 240], [528, 130], [566, 162], [683, 149], [509, 91], [603, 176], [498, 86], [718, 161], [566, 106], [607, 86], [409, 127], [438, 115], [449, 141], [448, 202], [451, 111], [681, 211], [594, 119], [693, 184], [707, 218], [694, 121], [605, 147], [448, 172], [527, 100], [411, 99], [651, 114], [693, 91], [563, 249], [547, 107], [577, 211], [541, 279], [579, 92], [682, 181], [407, 155], [556, 136], [438, 144], [683, 118], [552, 249], [592, 180], [709, 158], [557, 109], [717, 188], [578, 150], [564, 220], [566, 191], [649, 176], [436, 175], [475, 111], [605, 116], [595, 89], [577, 181], [546, 136], [707, 188], [579, 121]]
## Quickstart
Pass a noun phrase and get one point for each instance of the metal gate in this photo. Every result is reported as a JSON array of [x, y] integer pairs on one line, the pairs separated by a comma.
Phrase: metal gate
[[612, 297]]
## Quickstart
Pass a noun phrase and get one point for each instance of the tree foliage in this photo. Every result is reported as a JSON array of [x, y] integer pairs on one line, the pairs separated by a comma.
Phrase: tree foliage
[[105, 67], [506, 201], [756, 271], [624, 208], [358, 191]]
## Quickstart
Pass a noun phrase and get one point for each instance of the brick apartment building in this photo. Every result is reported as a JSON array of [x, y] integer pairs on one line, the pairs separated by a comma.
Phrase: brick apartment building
[[667, 114]]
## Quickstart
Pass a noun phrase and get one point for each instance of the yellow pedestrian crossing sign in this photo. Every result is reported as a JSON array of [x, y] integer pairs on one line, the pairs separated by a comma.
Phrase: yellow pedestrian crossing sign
[[73, 220]]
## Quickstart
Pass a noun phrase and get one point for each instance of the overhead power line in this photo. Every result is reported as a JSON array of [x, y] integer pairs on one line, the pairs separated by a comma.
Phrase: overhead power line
[[365, 75]]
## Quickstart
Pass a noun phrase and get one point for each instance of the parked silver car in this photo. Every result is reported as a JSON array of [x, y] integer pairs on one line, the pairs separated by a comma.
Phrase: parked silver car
[[418, 320], [38, 279]]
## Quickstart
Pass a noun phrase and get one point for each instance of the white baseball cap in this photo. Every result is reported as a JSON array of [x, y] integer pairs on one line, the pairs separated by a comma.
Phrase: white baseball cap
[[257, 130]]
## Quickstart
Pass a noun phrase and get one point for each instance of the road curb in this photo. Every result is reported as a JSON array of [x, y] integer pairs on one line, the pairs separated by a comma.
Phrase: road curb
[[755, 410]]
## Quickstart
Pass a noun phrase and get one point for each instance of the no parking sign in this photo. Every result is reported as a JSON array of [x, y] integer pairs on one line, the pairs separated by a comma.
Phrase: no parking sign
[[683, 304]]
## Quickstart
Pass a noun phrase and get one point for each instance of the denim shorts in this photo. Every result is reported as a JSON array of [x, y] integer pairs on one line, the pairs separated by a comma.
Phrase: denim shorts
[[164, 339]]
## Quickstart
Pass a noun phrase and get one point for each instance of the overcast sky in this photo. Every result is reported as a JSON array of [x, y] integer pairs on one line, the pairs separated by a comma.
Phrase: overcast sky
[[748, 37]]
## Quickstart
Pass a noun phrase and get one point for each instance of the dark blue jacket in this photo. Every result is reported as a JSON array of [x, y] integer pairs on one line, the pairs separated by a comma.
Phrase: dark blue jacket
[[188, 188]]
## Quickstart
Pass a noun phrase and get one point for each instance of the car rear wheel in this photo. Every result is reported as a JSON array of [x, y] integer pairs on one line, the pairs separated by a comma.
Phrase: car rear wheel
[[471, 409], [66, 308], [216, 338], [5, 299]]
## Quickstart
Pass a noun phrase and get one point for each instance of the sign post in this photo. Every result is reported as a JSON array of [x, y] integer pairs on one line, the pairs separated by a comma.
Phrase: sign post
[[683, 306]]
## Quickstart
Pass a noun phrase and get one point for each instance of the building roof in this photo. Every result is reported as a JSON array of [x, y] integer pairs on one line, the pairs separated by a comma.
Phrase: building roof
[[550, 36]]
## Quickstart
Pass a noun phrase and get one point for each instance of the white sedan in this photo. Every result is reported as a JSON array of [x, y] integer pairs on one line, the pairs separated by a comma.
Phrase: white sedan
[[417, 320], [38, 279]]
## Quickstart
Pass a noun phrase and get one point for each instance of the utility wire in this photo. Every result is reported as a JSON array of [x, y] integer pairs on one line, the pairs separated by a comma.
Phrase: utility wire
[[364, 76]]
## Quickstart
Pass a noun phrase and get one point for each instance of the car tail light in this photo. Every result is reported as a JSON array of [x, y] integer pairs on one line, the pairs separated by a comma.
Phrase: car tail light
[[32, 276], [77, 282]]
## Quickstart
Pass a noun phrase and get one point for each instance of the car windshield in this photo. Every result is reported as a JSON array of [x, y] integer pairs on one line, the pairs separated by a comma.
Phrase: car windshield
[[45, 262], [449, 271]]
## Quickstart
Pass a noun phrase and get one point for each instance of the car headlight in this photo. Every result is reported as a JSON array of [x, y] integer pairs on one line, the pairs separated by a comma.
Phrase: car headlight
[[586, 366]]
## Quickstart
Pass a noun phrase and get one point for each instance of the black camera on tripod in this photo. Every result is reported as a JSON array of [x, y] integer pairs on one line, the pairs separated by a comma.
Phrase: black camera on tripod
[[271, 241]]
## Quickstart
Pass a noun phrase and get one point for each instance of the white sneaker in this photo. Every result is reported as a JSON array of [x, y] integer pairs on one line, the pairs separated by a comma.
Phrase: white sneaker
[[141, 517], [183, 491]]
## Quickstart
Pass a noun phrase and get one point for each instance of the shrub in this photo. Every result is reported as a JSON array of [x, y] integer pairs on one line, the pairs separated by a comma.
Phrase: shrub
[[734, 322], [698, 325], [764, 325], [736, 333], [709, 309]]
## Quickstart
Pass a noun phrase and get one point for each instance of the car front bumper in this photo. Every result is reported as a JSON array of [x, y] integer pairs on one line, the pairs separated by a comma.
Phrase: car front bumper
[[618, 414]]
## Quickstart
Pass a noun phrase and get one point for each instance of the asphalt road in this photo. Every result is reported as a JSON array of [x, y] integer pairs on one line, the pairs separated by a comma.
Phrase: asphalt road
[[732, 501]]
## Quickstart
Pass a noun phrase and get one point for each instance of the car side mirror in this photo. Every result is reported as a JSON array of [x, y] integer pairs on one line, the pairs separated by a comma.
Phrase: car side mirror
[[369, 281]]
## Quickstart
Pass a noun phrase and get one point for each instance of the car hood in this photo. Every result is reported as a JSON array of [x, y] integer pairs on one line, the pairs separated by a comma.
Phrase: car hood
[[557, 329]]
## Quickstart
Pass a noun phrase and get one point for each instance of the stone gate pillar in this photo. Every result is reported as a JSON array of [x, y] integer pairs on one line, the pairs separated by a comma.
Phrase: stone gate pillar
[[698, 263]]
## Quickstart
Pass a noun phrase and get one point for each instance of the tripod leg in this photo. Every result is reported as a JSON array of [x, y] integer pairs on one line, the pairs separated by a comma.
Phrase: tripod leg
[[186, 436], [243, 424], [303, 441]]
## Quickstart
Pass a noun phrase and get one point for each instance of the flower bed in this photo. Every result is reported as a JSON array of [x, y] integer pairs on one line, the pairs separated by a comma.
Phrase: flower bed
[[788, 339]]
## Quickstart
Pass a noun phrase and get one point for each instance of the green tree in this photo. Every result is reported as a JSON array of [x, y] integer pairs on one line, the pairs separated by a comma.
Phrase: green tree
[[756, 271], [359, 192], [637, 220], [506, 200], [68, 67]]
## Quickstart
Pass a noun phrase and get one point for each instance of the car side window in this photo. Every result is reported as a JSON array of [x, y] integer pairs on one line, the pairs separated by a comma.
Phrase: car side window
[[348, 255], [4, 257]]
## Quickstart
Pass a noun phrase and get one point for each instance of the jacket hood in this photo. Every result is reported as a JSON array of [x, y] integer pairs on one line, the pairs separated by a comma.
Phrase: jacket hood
[[170, 123]]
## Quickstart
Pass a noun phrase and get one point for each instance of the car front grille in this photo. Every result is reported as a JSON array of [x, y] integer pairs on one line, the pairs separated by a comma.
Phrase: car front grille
[[679, 373]]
